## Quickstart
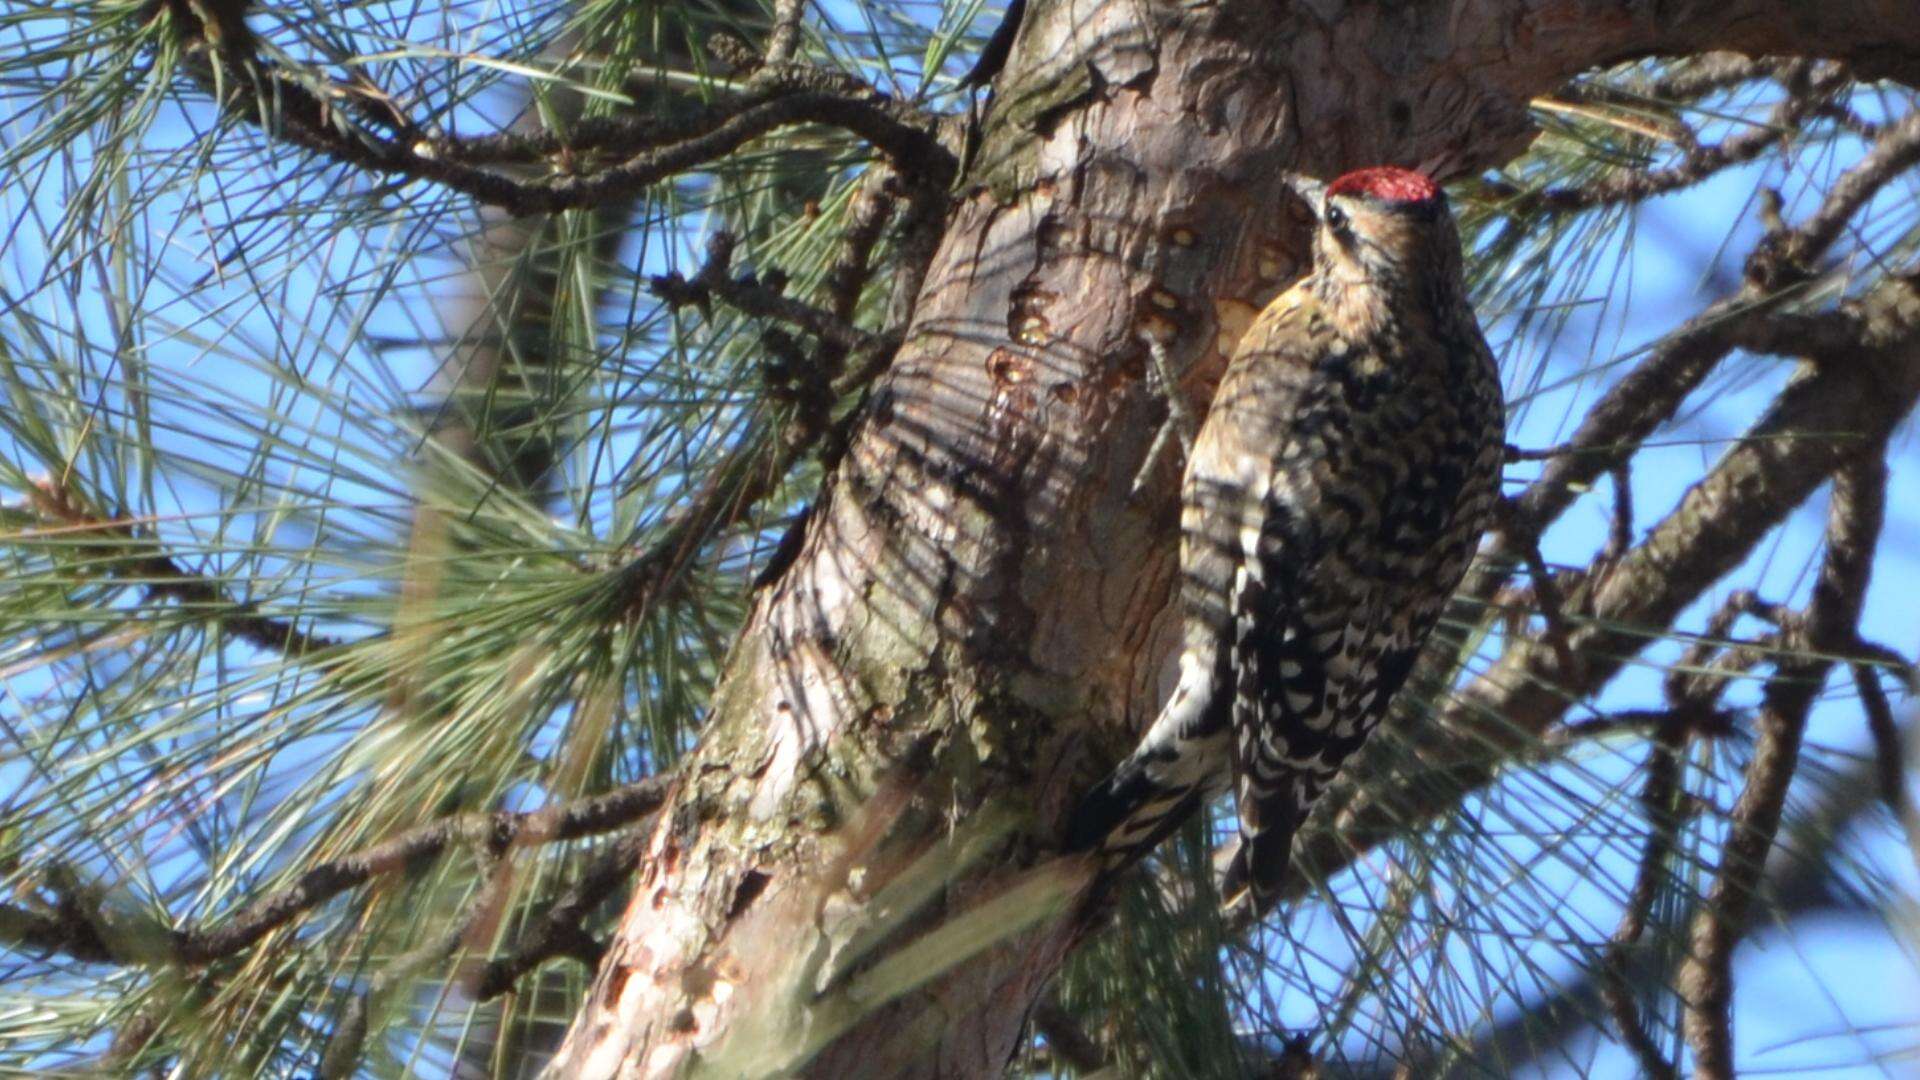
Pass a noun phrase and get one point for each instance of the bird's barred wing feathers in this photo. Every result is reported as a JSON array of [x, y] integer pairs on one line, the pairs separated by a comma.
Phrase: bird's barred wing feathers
[[1310, 685]]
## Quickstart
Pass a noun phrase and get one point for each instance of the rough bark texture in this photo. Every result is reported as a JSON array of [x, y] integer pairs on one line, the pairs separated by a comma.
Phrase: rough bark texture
[[977, 599]]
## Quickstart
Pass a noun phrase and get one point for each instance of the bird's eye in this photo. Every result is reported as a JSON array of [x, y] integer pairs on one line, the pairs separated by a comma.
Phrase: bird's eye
[[1336, 219]]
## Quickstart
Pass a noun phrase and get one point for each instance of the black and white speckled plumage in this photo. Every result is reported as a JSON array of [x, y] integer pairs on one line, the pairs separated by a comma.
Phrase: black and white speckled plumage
[[1332, 502]]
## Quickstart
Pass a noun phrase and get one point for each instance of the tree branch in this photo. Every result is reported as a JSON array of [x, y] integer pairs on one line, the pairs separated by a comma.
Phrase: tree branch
[[1712, 72], [1896, 151], [649, 151], [755, 469], [784, 42], [558, 930], [1798, 881], [1889, 755], [1663, 798], [1650, 395], [78, 927], [1706, 976], [141, 561], [752, 298]]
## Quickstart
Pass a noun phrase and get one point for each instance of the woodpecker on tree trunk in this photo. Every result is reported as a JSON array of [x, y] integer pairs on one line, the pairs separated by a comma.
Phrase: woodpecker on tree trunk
[[1333, 499]]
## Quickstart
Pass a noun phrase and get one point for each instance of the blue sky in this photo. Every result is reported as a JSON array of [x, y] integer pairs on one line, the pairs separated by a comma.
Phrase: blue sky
[[1827, 995]]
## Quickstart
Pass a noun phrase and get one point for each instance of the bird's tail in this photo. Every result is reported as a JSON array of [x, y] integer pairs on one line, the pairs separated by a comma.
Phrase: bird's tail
[[1182, 760], [1127, 815], [1257, 867]]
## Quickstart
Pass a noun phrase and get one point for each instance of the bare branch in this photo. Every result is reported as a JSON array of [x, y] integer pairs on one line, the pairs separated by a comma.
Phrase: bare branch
[[62, 930], [76, 926], [140, 560], [1706, 976], [649, 151], [755, 469], [496, 832], [1798, 881], [1620, 526], [911, 149], [872, 206], [1708, 722], [1889, 749], [1889, 757], [1546, 592], [1663, 797], [1821, 336], [755, 299], [784, 42], [1630, 411], [1712, 72], [1896, 151], [558, 930]]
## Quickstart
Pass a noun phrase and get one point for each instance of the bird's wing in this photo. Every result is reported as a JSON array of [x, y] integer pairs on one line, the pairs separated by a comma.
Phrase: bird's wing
[[1299, 616]]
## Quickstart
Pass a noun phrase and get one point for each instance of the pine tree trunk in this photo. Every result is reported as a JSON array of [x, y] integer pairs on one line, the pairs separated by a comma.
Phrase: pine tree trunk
[[978, 615]]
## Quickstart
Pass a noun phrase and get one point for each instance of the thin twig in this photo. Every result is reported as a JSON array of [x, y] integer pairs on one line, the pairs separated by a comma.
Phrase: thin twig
[[1710, 721], [76, 926], [140, 560], [1889, 755], [558, 930], [1616, 991], [1700, 676], [1620, 525], [1663, 798], [922, 225], [342, 1055], [1520, 453], [496, 832], [736, 486], [752, 298], [872, 206], [1799, 884], [1180, 424], [624, 135], [911, 149], [1889, 749], [1712, 72], [755, 469], [1546, 591]]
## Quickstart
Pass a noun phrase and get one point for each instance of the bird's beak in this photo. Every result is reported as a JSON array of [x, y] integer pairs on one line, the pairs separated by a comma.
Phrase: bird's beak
[[1312, 192]]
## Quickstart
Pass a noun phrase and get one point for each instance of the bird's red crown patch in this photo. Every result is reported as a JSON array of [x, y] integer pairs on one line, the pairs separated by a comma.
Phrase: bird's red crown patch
[[1386, 182]]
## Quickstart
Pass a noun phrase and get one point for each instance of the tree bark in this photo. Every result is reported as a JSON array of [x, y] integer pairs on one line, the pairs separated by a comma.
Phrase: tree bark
[[978, 602]]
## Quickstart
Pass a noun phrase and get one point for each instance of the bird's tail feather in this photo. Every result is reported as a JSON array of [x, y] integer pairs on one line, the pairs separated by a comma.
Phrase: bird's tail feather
[[1181, 760], [1126, 816], [1258, 866]]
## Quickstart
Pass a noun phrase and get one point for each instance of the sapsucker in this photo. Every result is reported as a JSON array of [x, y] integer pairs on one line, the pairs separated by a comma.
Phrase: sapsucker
[[1333, 499]]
